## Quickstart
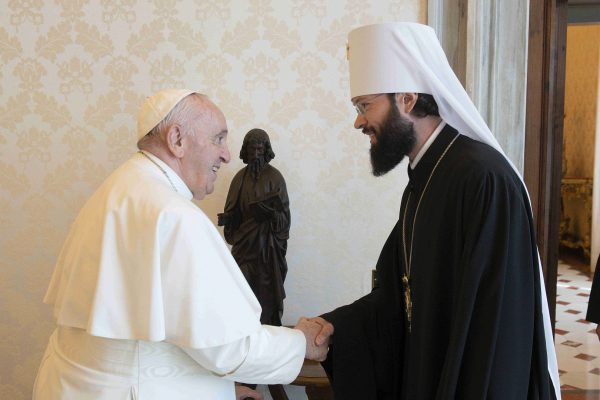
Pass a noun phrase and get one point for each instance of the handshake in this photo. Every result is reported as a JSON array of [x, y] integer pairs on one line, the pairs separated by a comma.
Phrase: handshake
[[318, 333]]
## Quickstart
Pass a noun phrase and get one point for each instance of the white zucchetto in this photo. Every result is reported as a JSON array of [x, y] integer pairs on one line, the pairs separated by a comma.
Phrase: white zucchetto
[[156, 108]]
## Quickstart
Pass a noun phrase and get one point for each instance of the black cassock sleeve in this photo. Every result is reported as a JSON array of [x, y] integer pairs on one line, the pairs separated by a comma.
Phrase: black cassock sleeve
[[364, 357]]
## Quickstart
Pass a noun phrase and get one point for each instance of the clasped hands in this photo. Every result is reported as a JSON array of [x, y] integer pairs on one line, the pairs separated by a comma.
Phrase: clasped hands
[[317, 332]]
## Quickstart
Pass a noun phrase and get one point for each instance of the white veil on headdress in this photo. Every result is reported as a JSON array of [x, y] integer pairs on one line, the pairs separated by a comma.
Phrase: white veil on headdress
[[400, 57]]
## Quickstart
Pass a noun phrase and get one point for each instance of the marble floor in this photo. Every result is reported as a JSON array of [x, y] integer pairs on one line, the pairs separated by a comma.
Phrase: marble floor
[[577, 345]]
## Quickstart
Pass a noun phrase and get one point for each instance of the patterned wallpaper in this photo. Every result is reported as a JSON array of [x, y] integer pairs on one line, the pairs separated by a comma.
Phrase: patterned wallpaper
[[579, 141], [72, 76], [582, 69]]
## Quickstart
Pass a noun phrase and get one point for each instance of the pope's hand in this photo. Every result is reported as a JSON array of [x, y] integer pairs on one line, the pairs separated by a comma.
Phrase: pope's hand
[[317, 332], [324, 336]]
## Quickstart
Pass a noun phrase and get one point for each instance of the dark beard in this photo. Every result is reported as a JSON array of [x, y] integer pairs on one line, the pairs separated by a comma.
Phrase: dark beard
[[395, 140], [256, 166]]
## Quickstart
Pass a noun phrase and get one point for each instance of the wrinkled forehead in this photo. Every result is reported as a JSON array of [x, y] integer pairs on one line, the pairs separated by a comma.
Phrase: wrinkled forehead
[[211, 115], [217, 114]]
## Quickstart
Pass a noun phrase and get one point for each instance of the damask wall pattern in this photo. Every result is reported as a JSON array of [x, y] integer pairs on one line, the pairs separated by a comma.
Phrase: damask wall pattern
[[578, 232], [73, 74], [581, 98]]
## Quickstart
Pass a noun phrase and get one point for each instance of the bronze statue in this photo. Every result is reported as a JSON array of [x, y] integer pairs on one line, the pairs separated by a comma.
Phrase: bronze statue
[[256, 223]]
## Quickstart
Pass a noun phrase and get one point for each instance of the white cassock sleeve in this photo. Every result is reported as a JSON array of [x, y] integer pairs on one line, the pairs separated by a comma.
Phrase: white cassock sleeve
[[269, 356]]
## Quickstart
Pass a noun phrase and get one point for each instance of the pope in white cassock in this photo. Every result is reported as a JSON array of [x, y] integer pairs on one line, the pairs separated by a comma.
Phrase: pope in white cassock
[[148, 301]]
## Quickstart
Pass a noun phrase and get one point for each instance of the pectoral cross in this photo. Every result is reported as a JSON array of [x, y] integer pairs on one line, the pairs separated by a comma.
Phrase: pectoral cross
[[407, 300]]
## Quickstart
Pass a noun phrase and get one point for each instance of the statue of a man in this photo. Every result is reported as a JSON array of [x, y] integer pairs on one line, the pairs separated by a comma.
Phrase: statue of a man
[[256, 223]]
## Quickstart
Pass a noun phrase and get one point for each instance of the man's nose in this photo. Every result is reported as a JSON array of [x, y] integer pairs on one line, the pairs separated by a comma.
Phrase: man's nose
[[359, 122], [225, 155]]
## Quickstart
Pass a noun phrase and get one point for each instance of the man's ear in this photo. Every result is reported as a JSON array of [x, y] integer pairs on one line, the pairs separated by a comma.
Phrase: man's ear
[[173, 137], [407, 101]]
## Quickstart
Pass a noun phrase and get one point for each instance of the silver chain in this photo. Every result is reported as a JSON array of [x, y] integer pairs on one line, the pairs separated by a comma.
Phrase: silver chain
[[159, 167], [408, 257]]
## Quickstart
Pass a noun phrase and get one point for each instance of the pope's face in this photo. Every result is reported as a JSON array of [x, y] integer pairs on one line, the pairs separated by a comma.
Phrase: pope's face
[[205, 144]]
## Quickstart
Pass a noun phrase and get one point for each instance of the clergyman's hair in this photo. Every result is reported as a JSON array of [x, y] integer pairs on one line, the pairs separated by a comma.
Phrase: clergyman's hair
[[425, 105], [181, 114], [257, 135]]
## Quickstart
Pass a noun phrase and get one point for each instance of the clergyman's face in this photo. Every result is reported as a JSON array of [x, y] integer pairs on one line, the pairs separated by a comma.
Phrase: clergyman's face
[[392, 135], [395, 140], [206, 149]]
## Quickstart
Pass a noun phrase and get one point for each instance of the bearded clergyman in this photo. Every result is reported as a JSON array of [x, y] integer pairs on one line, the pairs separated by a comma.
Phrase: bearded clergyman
[[460, 310]]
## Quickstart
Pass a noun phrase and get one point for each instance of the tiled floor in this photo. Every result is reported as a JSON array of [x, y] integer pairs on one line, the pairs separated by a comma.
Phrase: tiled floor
[[577, 345]]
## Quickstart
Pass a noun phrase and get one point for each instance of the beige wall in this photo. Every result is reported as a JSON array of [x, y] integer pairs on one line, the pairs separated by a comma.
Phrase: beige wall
[[72, 76], [583, 47], [581, 98]]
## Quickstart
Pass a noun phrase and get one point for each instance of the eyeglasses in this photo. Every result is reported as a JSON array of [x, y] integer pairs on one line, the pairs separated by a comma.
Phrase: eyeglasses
[[362, 106]]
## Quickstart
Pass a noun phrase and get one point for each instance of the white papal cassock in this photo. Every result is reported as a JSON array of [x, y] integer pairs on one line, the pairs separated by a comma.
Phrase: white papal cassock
[[150, 304]]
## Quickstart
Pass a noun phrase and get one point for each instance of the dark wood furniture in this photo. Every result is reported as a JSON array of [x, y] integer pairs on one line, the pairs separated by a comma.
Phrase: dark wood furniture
[[313, 377]]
